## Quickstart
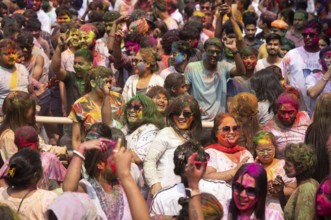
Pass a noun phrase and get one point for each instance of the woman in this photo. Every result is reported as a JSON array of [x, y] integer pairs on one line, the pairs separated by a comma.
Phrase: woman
[[249, 191], [323, 200], [226, 157], [300, 162], [22, 194], [245, 109], [317, 135], [87, 110], [100, 180], [184, 122], [175, 84], [145, 68], [143, 123], [265, 148], [160, 97], [267, 88]]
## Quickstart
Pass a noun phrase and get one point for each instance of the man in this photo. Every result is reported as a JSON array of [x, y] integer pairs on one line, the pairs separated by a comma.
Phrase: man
[[318, 82], [273, 48], [300, 62], [250, 31], [42, 16], [208, 77], [13, 76], [160, 11], [180, 54], [295, 33], [74, 44]]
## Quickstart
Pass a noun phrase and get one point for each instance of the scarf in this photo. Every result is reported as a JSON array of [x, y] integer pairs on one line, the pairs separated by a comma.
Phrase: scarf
[[228, 150]]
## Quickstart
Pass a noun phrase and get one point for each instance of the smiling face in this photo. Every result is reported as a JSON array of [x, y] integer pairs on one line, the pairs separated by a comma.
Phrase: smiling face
[[87, 39], [310, 37], [161, 102], [183, 120], [286, 114], [249, 61], [81, 66], [74, 36], [34, 4], [228, 132], [323, 199], [8, 57], [244, 193], [265, 150], [134, 111], [212, 55]]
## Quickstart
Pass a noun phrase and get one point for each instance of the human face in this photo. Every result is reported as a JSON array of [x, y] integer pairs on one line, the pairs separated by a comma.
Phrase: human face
[[8, 57], [250, 31], [87, 40], [62, 19], [34, 4], [323, 199], [182, 89], [284, 49], [140, 66], [228, 132], [101, 83], [161, 102], [20, 57], [244, 193], [273, 47], [205, 7], [27, 53], [286, 114], [131, 48], [322, 44], [249, 61], [31, 116], [183, 120], [108, 26], [81, 66], [265, 150], [290, 169], [212, 54], [177, 58], [74, 36], [310, 37], [326, 60], [134, 111], [299, 21]]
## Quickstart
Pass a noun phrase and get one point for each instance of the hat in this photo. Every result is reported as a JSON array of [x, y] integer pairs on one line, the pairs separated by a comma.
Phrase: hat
[[280, 24], [26, 136]]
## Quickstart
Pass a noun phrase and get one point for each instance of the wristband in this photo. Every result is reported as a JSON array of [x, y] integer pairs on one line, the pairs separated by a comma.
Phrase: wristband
[[191, 192], [81, 156], [326, 80]]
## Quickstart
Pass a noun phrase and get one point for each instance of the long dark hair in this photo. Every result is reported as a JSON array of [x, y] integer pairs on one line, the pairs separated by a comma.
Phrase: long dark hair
[[259, 174]]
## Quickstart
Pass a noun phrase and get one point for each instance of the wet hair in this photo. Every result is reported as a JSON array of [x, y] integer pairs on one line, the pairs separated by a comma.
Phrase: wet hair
[[326, 179], [85, 53], [149, 113], [273, 36], [95, 74], [156, 90], [304, 159], [264, 135], [150, 57], [177, 105], [324, 51], [172, 82], [266, 86], [258, 173], [314, 24], [217, 121], [210, 206], [213, 42], [168, 38], [183, 47], [184, 151], [23, 167], [15, 107]]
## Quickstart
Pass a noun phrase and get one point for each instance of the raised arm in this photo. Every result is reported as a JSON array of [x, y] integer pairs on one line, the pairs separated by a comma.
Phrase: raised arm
[[315, 90], [223, 9], [56, 59], [239, 69], [106, 111]]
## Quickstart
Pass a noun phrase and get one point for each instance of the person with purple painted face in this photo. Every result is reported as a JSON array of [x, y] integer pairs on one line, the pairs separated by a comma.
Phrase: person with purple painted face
[[323, 200]]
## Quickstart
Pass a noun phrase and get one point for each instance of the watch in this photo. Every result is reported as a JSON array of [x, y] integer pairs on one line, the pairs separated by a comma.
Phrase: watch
[[191, 192]]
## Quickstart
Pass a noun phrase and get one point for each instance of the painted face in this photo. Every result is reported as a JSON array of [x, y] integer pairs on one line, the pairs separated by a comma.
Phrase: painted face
[[290, 169], [87, 40], [310, 37], [177, 57], [322, 44], [63, 19], [250, 31], [265, 150], [228, 132], [323, 199], [286, 114], [273, 47], [326, 60], [244, 193], [100, 82], [8, 57], [249, 61], [212, 54], [161, 102], [81, 66], [75, 38], [134, 112], [34, 4], [299, 21], [132, 48], [110, 173], [139, 65], [183, 120]]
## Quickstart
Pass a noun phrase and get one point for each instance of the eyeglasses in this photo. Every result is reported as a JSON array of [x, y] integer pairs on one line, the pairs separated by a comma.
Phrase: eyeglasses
[[135, 107], [205, 8], [185, 114], [136, 60], [212, 52], [311, 35], [250, 191], [267, 150], [229, 128]]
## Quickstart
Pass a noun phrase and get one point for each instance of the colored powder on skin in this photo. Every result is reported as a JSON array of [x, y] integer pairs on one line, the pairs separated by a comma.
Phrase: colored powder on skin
[[13, 80]]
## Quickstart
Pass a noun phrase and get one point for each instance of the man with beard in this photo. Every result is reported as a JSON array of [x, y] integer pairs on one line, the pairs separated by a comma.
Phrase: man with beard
[[273, 48], [208, 78], [250, 31], [13, 76], [302, 61], [289, 125], [42, 16], [67, 56], [295, 33]]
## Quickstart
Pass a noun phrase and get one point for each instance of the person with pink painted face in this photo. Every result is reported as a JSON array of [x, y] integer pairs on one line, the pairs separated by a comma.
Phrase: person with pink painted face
[[323, 200]]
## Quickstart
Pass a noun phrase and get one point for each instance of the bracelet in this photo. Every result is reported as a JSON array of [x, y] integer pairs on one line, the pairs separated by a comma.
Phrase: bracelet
[[326, 80], [81, 156]]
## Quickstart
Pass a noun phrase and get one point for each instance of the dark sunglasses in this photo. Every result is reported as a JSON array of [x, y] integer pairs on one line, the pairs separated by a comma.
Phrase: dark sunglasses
[[212, 52], [205, 7], [311, 35], [135, 107], [185, 114], [229, 128], [250, 191]]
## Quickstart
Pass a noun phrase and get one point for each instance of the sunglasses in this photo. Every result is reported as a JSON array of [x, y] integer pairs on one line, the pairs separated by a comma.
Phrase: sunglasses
[[307, 72], [229, 128], [135, 107], [135, 60], [212, 52], [238, 188], [205, 8], [268, 151], [311, 35], [185, 114]]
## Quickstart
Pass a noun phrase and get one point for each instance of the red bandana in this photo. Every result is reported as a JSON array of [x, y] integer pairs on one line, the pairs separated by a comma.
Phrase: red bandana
[[228, 150]]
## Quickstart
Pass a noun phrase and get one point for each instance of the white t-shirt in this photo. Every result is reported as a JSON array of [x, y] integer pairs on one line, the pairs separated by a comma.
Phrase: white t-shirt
[[44, 20], [263, 63], [166, 72]]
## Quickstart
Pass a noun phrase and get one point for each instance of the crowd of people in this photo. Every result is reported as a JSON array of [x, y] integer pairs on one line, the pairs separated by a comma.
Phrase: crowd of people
[[180, 109]]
